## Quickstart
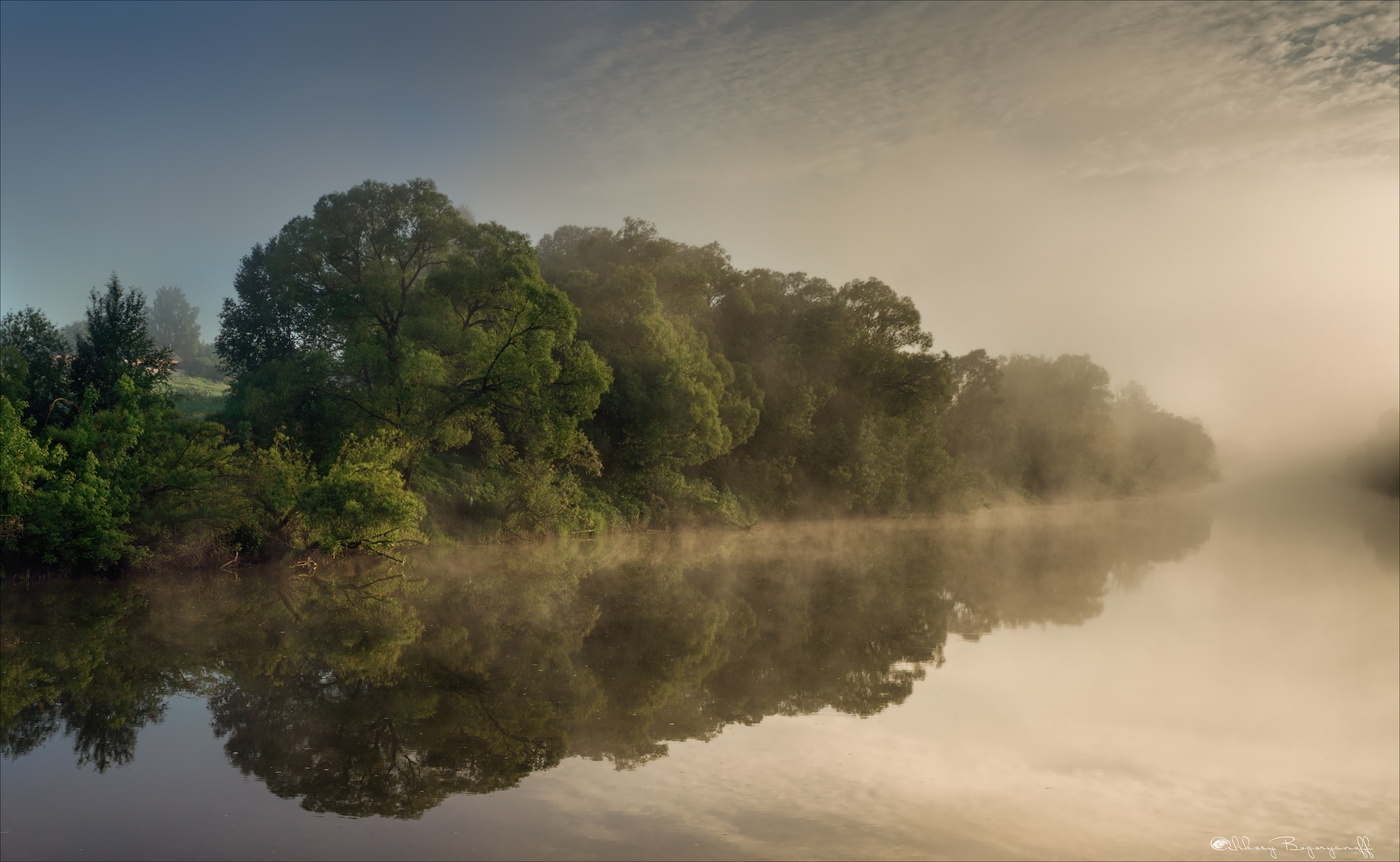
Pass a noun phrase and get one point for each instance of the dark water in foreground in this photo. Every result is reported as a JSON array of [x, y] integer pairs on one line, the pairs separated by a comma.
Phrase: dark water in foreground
[[1114, 681]]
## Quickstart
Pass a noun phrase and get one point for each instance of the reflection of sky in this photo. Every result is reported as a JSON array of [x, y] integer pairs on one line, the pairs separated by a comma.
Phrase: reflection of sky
[[1201, 196], [1248, 689]]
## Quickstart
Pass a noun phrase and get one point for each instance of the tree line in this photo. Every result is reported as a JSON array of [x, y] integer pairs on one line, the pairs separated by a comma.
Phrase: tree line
[[398, 371]]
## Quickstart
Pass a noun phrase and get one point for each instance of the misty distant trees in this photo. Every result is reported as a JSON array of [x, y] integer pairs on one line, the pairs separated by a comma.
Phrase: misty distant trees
[[399, 370], [827, 399], [1376, 462], [174, 324], [1053, 428], [1158, 450]]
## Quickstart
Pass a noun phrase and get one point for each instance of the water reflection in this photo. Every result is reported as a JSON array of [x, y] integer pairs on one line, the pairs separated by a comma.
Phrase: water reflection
[[386, 689], [81, 657]]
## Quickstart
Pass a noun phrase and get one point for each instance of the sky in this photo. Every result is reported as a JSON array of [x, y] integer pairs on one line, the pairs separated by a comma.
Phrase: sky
[[1202, 197]]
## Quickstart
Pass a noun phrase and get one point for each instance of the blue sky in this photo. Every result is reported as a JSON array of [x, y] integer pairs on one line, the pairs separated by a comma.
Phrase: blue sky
[[1202, 197]]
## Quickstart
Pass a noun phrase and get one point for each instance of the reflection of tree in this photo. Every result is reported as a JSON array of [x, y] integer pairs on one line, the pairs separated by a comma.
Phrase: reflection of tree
[[380, 704], [1055, 564], [850, 633], [846, 617], [373, 692], [357, 750], [658, 637], [82, 658]]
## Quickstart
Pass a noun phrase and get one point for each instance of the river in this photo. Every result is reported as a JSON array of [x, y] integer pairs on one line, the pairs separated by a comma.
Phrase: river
[[1101, 681]]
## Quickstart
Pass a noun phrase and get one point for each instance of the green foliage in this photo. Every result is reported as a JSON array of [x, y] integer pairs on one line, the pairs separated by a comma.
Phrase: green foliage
[[24, 465], [55, 509], [75, 521], [284, 502], [287, 394], [136, 476], [387, 312], [197, 397], [264, 511], [664, 406], [360, 503], [114, 483], [118, 344], [849, 391], [396, 366], [676, 401], [34, 364], [980, 434], [267, 322]]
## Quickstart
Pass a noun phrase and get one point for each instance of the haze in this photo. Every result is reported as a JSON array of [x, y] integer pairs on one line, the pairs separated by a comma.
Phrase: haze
[[1204, 198]]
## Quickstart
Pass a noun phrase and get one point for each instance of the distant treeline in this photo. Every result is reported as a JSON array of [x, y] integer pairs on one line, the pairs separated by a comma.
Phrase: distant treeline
[[399, 371]]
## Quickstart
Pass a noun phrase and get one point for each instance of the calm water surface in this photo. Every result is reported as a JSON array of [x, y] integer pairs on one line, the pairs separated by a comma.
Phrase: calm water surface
[[1112, 681]]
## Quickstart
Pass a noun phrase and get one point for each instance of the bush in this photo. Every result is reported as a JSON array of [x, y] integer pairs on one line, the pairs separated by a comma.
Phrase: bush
[[54, 510], [361, 502]]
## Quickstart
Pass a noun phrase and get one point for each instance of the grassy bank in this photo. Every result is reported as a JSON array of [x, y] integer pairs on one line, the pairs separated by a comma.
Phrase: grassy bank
[[198, 397]]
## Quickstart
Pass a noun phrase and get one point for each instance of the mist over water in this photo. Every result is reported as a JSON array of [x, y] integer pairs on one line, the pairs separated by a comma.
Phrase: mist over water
[[1119, 680]]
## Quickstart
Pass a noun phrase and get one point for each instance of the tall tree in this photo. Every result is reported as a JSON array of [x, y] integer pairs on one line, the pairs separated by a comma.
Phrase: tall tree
[[676, 402], [268, 320], [781, 386], [979, 433], [387, 311], [118, 343], [1061, 411], [174, 323]]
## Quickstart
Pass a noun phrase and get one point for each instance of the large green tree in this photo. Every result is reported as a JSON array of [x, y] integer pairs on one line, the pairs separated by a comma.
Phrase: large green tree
[[676, 402], [781, 387], [118, 344], [978, 429], [388, 312], [852, 393]]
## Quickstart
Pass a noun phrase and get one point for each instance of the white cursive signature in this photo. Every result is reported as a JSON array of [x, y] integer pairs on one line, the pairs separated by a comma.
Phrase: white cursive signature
[[1290, 844]]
